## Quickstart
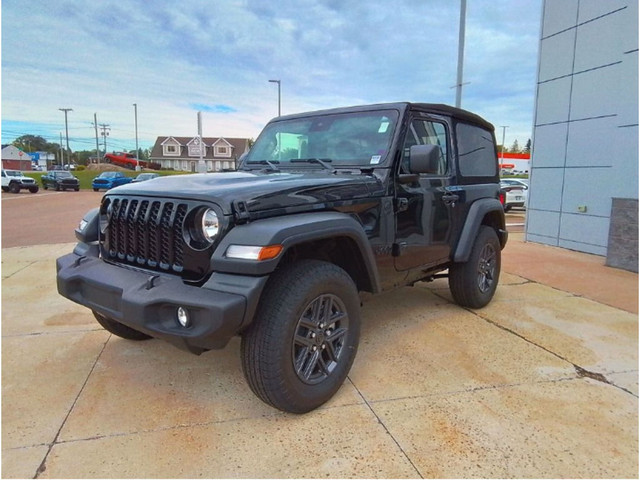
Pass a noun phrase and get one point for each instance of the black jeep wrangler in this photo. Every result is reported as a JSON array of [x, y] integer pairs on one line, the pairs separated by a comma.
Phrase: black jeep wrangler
[[325, 205]]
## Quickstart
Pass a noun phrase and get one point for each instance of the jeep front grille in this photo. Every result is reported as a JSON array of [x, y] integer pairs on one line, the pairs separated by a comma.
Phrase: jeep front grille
[[150, 234]]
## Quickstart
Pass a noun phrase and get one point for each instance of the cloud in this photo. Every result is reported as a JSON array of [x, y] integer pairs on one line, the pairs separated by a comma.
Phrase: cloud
[[212, 108], [217, 57]]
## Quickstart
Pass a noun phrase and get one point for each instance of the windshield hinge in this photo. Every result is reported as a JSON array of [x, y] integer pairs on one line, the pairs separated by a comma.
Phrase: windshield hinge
[[240, 211]]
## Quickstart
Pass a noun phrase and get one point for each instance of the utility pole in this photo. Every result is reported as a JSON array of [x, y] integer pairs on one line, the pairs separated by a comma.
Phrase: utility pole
[[95, 125], [66, 127], [61, 151], [135, 110], [105, 133]]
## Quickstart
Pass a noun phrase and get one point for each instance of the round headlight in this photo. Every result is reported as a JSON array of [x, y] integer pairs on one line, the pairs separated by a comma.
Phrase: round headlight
[[210, 225]]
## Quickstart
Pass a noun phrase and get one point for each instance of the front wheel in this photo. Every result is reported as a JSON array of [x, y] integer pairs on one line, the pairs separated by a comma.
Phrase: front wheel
[[14, 188], [302, 343], [473, 283]]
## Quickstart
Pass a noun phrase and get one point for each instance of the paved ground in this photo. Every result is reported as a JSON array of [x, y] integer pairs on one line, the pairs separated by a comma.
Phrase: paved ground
[[541, 383]]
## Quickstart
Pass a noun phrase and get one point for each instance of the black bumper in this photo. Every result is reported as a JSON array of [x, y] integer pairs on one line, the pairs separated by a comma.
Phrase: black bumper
[[148, 303]]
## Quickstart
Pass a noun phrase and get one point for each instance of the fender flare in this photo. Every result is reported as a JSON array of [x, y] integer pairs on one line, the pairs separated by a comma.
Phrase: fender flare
[[477, 213], [289, 231]]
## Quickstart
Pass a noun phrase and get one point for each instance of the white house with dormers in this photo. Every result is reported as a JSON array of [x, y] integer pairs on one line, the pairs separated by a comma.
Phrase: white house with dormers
[[183, 153]]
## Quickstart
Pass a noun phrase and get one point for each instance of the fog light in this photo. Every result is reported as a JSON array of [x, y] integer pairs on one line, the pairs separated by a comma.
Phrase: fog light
[[183, 317]]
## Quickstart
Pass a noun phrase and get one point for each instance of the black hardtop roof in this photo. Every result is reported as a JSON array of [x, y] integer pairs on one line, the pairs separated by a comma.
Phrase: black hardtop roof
[[436, 108]]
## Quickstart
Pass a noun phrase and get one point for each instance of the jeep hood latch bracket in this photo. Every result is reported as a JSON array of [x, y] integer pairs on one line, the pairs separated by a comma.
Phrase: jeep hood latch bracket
[[240, 211]]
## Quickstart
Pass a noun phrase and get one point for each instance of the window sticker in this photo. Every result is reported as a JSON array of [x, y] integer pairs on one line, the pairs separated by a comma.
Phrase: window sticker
[[375, 159], [384, 125]]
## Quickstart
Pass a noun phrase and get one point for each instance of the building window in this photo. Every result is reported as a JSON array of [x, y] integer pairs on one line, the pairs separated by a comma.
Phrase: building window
[[171, 150], [223, 151]]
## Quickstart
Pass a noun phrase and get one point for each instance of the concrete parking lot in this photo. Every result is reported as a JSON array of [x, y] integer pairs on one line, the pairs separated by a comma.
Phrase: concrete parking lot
[[541, 383]]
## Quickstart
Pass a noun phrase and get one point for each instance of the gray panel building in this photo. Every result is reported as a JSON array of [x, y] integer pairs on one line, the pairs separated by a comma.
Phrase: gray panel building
[[584, 168]]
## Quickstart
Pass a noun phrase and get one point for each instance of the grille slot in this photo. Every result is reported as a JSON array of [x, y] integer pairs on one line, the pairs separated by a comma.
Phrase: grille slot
[[150, 234]]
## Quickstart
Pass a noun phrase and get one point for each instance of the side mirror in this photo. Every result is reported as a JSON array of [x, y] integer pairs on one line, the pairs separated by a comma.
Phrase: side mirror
[[424, 159]]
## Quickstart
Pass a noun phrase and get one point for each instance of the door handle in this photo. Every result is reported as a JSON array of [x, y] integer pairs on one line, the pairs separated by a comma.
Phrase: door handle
[[450, 199]]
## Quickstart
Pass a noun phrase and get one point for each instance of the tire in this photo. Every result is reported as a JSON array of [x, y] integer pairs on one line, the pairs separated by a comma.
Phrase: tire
[[33, 189], [77, 189], [294, 358], [45, 186], [473, 283], [95, 189], [57, 187], [14, 188], [119, 329], [5, 189]]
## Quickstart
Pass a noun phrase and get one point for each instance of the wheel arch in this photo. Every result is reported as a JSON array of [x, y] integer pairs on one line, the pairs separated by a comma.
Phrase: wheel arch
[[330, 236], [486, 211]]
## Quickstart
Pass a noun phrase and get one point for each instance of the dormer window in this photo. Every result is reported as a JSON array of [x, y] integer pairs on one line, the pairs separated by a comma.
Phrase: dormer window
[[171, 147], [222, 148]]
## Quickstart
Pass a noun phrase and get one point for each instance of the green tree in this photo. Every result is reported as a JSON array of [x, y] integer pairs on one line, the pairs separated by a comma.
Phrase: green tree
[[527, 147], [515, 147], [35, 143], [143, 153]]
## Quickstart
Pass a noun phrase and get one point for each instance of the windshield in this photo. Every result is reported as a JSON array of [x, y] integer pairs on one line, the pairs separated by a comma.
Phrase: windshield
[[108, 175], [64, 174], [348, 139]]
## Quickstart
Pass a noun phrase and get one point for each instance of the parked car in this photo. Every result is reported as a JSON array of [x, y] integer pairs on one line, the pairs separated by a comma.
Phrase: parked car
[[513, 195], [14, 180], [60, 180], [108, 180], [514, 182], [143, 177], [362, 198]]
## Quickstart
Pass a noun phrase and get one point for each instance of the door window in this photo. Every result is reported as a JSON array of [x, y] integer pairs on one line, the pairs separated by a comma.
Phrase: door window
[[426, 132]]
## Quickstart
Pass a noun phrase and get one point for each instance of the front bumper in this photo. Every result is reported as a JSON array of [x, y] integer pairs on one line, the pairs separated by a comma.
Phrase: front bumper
[[148, 302]]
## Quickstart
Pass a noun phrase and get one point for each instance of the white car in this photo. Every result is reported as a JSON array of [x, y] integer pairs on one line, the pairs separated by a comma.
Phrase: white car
[[513, 193], [13, 181]]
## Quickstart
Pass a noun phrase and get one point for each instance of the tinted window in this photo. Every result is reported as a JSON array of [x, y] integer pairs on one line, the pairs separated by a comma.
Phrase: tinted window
[[476, 151]]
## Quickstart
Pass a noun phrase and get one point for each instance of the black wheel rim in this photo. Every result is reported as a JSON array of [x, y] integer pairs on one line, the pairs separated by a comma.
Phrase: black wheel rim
[[319, 339], [487, 268]]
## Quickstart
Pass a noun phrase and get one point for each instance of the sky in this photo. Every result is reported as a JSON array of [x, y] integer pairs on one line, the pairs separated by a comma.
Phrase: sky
[[173, 59]]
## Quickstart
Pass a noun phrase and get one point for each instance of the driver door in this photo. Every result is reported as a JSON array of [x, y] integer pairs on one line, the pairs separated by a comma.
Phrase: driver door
[[423, 222]]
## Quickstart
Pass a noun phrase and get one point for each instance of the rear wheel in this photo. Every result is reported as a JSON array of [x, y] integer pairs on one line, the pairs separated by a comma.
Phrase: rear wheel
[[119, 329], [474, 282], [299, 349], [14, 187]]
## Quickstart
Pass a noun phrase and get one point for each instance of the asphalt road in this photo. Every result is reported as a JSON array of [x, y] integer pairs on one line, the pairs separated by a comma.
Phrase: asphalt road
[[49, 217], [45, 217]]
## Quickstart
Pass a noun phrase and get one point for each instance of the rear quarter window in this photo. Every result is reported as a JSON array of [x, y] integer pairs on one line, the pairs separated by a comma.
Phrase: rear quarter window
[[476, 151]]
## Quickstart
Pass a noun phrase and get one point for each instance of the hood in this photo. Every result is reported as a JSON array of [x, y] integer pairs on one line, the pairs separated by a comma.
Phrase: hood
[[260, 191]]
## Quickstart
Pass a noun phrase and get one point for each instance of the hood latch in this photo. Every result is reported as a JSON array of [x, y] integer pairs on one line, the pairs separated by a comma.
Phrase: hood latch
[[240, 211]]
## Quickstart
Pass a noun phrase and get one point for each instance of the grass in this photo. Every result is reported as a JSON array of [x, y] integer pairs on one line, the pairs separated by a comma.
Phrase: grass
[[86, 176]]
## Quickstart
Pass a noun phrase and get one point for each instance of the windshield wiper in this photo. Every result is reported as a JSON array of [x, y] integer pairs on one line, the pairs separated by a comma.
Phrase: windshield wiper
[[271, 164], [322, 161]]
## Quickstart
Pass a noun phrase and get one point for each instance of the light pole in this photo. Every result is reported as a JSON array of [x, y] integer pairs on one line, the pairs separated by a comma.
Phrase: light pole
[[279, 97], [459, 84], [504, 128], [135, 110], [66, 128]]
